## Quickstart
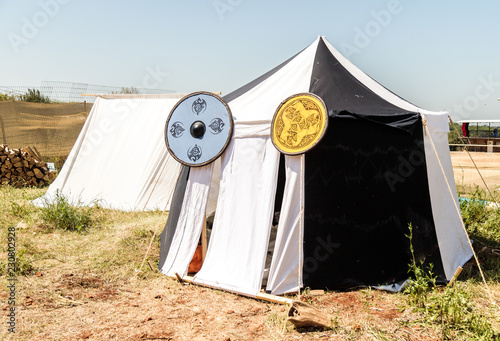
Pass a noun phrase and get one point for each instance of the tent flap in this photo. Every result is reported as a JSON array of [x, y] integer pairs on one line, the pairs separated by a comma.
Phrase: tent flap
[[191, 220], [237, 250]]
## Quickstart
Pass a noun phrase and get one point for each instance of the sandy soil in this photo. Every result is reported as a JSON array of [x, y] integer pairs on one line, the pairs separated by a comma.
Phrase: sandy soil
[[83, 306], [466, 173]]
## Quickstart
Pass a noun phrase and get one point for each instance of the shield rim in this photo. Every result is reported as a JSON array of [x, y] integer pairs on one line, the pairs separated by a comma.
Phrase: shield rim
[[320, 100], [231, 129]]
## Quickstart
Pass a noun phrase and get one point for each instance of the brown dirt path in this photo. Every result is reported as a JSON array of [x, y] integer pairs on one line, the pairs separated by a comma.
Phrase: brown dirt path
[[466, 173]]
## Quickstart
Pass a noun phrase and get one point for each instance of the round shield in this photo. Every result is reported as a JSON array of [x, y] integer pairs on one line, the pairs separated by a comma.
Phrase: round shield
[[198, 129], [299, 123]]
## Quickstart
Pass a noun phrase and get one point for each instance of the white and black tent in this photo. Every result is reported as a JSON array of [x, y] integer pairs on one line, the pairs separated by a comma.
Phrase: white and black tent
[[345, 206]]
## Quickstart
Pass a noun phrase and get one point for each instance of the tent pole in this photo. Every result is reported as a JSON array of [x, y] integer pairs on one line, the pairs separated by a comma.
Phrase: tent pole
[[260, 296], [301, 226], [204, 240], [300, 313]]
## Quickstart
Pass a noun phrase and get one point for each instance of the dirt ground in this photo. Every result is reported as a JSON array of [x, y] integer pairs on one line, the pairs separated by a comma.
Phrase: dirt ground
[[466, 173], [73, 297], [83, 306]]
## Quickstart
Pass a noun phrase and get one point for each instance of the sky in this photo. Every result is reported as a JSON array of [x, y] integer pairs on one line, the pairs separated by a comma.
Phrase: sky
[[439, 55]]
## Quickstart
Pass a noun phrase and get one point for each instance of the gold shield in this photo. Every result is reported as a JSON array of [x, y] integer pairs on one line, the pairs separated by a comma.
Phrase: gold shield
[[299, 123]]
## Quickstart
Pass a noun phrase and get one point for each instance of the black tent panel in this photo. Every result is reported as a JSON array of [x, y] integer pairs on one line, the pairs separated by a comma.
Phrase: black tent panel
[[364, 183], [345, 95]]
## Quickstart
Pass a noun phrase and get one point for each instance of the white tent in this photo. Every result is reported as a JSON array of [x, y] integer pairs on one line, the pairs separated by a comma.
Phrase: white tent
[[119, 159], [344, 206]]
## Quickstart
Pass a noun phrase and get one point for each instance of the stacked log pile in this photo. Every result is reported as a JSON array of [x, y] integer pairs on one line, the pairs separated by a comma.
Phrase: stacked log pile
[[23, 167]]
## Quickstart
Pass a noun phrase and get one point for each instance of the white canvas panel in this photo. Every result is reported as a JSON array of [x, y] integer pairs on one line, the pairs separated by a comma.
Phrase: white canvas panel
[[190, 223], [261, 102], [213, 194], [238, 243], [120, 159], [159, 184], [251, 129], [452, 238], [285, 274]]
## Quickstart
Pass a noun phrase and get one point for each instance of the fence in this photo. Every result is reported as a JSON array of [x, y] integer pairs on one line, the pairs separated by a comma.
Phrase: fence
[[51, 127], [71, 92]]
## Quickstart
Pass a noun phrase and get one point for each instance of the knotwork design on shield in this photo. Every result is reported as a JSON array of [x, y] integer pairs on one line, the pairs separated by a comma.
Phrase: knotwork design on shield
[[194, 153], [216, 126], [198, 129], [199, 106], [299, 123], [177, 129]]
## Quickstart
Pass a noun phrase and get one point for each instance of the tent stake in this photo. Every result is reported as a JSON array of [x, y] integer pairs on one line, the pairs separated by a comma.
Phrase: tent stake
[[178, 277], [457, 273]]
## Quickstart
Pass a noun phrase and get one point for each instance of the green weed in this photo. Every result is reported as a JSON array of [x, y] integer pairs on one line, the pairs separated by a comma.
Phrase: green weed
[[23, 264], [453, 310], [19, 211], [482, 221], [450, 309], [422, 281], [60, 214]]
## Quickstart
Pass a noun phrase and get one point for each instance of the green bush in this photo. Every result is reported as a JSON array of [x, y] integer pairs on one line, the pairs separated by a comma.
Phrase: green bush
[[450, 309], [6, 97], [34, 96], [60, 214]]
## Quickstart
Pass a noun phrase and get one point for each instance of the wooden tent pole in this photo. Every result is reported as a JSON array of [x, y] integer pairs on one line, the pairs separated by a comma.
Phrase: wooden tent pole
[[204, 241], [261, 295], [300, 313]]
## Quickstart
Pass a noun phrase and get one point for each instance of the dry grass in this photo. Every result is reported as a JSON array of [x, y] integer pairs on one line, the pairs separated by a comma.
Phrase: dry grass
[[90, 286]]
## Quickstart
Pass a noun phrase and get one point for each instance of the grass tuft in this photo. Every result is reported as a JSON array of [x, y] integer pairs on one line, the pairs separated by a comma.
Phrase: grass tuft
[[451, 309], [60, 214]]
